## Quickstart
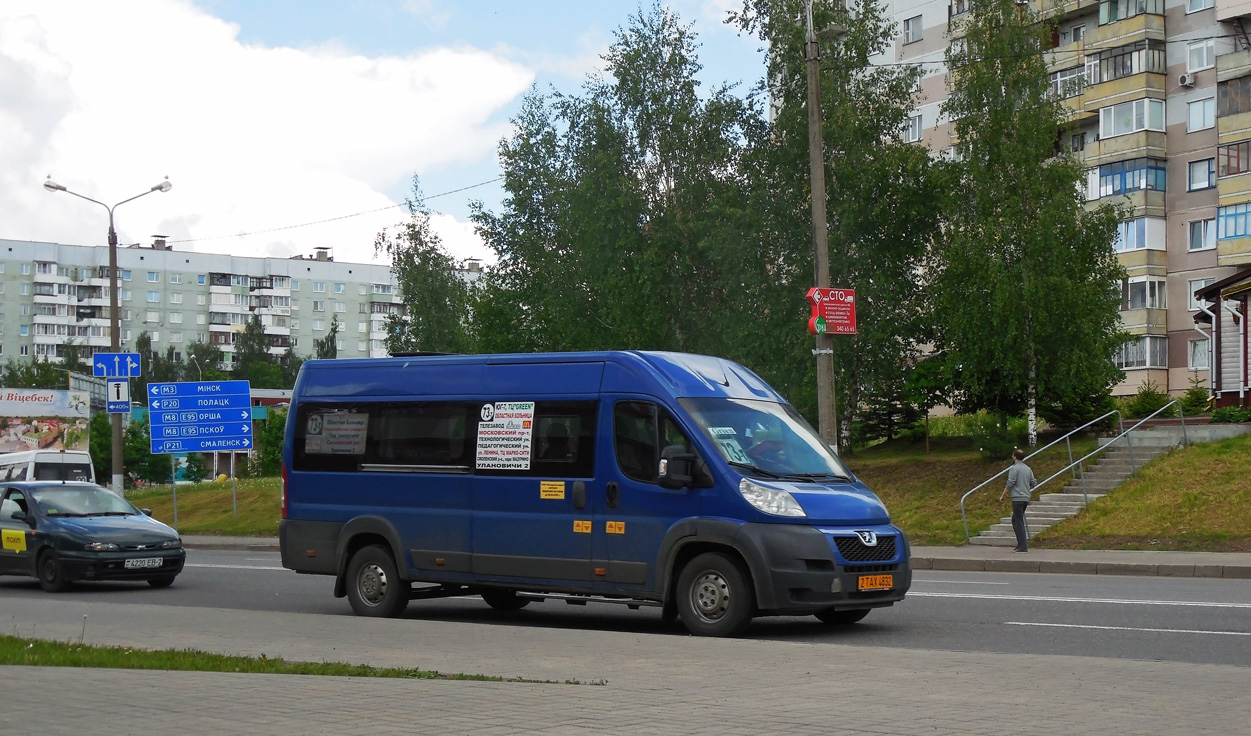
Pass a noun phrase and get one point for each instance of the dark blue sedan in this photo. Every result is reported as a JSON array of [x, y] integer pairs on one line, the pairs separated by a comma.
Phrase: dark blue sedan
[[62, 532]]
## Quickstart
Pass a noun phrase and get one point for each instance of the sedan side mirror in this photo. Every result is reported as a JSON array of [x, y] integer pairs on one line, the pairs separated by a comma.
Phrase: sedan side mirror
[[146, 512]]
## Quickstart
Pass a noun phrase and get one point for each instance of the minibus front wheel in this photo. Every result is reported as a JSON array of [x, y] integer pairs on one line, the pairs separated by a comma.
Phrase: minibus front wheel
[[715, 596], [374, 587]]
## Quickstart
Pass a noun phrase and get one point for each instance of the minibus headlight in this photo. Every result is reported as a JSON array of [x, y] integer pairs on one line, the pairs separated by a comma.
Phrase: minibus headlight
[[769, 500]]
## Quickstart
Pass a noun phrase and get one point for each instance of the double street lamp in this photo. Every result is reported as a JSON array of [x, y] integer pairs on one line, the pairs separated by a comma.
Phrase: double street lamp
[[115, 324]]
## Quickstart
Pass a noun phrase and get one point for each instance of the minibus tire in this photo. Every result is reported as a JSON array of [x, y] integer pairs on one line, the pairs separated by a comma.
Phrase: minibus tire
[[841, 618], [503, 599], [374, 587], [715, 596]]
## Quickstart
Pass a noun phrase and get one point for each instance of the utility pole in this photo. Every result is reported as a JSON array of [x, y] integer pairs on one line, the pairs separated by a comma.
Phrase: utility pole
[[827, 410]]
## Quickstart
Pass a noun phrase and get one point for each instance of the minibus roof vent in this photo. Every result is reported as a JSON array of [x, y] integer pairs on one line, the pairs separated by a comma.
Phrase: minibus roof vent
[[419, 354]]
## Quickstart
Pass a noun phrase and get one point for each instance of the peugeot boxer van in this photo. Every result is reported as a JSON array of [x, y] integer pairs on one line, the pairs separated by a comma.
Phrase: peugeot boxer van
[[677, 481]]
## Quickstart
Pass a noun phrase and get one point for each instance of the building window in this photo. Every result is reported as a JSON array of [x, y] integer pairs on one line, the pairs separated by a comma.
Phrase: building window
[[1193, 286], [200, 299], [319, 306], [295, 323], [1148, 351], [154, 277], [1131, 176], [1202, 174], [24, 350], [175, 337], [152, 317], [1110, 11], [156, 337], [1234, 158], [338, 344], [340, 288], [154, 296], [175, 318], [1201, 114], [25, 269], [125, 274], [319, 324], [1131, 117], [1126, 61], [361, 289], [319, 286], [1233, 96], [25, 290], [1143, 293], [1201, 55], [381, 288], [1068, 82], [362, 345], [1198, 354], [1139, 233], [912, 30], [23, 330], [1194, 6], [201, 279], [175, 298], [913, 133], [201, 319], [959, 7], [1232, 221], [1202, 234], [360, 327], [175, 278], [340, 307]]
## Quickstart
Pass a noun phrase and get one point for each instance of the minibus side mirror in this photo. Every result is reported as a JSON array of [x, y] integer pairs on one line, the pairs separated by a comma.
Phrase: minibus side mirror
[[680, 468]]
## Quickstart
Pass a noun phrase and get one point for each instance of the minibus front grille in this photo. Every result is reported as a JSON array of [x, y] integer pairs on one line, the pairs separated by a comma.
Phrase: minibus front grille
[[865, 569], [852, 549]]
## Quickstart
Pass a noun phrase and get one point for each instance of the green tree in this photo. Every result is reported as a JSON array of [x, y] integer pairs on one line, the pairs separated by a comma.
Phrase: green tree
[[137, 457], [72, 358], [100, 431], [267, 457], [436, 299], [327, 348], [883, 202], [290, 363], [204, 361], [197, 467], [1024, 280], [37, 372]]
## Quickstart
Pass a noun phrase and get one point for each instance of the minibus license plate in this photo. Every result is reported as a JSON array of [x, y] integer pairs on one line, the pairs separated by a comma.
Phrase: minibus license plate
[[156, 562], [877, 582]]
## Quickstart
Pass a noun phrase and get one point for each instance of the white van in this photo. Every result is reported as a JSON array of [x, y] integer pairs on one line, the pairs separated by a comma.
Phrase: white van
[[47, 465]]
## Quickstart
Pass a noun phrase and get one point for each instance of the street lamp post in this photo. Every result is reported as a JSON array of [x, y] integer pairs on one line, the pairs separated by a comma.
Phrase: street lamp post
[[115, 324], [197, 367]]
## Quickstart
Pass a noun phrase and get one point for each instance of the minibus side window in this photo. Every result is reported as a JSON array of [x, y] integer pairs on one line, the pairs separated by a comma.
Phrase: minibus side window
[[642, 430]]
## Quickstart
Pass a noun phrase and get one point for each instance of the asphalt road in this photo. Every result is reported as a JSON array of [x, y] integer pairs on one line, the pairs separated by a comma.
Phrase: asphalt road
[[1160, 619]]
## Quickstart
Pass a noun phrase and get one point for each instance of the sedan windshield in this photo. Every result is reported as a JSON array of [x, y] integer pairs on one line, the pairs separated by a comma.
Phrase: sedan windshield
[[81, 501], [767, 437]]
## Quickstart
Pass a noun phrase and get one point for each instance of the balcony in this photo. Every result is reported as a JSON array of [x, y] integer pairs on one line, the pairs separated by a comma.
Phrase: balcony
[[1144, 260], [1118, 33], [1145, 321], [1233, 251], [1149, 143]]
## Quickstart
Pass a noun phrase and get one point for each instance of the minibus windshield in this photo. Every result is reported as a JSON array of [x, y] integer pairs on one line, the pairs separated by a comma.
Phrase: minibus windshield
[[767, 437]]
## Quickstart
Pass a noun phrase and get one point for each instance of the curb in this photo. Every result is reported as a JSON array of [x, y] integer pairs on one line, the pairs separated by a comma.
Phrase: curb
[[1241, 572]]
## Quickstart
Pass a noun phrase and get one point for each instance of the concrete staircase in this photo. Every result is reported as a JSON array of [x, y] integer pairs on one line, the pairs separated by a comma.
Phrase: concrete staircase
[[1108, 470]]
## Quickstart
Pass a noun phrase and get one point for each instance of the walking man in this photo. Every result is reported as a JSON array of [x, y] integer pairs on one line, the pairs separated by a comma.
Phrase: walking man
[[1021, 482]]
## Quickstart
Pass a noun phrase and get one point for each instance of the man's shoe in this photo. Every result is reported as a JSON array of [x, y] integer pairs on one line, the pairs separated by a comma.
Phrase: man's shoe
[[1019, 550]]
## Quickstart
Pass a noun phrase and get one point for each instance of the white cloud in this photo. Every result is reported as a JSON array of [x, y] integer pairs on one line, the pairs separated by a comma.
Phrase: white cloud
[[111, 97]]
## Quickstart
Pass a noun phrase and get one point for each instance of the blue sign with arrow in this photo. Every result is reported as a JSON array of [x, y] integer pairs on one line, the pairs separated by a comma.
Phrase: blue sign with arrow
[[206, 416], [115, 365]]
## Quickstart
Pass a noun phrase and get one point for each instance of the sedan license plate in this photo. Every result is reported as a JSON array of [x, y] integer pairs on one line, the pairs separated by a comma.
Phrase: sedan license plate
[[135, 562], [876, 582]]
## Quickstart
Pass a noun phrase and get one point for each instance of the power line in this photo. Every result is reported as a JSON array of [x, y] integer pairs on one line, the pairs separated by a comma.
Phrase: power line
[[334, 219]]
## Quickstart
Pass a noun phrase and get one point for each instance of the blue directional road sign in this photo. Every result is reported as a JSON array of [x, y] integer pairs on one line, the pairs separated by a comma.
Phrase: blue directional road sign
[[209, 416], [115, 365]]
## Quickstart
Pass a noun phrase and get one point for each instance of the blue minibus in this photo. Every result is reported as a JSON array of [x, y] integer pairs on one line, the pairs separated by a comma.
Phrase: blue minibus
[[670, 480]]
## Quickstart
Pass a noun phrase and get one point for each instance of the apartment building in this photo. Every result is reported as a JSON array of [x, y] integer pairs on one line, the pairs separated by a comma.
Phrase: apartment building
[[1161, 96], [52, 293]]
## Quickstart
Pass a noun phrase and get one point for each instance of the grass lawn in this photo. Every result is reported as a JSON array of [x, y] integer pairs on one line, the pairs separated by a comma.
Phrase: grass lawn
[[39, 653], [1196, 498]]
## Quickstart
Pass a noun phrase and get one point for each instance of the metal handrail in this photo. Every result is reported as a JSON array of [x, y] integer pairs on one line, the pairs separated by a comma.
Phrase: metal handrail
[[1077, 463]]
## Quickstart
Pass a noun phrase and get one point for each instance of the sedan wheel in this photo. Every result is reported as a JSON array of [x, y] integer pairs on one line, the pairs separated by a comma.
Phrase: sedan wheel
[[51, 576]]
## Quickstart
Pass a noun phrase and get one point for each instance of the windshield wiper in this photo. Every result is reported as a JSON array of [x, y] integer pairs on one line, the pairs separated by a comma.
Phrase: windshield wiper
[[753, 468], [109, 513], [819, 476]]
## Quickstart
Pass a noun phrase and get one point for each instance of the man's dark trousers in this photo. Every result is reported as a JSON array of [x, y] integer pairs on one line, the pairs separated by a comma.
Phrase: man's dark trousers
[[1018, 524]]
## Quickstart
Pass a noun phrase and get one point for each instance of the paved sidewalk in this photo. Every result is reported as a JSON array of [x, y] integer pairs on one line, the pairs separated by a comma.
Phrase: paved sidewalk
[[591, 682], [990, 559]]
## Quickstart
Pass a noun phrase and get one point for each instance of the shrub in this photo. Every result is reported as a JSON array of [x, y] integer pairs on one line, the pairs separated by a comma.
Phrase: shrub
[[1147, 401], [1195, 400], [1231, 415]]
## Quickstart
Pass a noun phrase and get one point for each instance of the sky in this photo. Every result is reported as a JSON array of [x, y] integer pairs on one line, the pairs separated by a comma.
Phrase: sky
[[290, 125]]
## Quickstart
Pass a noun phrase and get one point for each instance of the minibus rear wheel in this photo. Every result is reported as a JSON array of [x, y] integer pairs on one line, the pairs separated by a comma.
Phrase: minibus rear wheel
[[374, 587], [502, 599], [715, 596]]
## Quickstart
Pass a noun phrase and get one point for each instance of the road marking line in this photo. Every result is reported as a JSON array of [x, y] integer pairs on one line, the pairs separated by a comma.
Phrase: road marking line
[[1128, 628], [1065, 599], [960, 582], [237, 567]]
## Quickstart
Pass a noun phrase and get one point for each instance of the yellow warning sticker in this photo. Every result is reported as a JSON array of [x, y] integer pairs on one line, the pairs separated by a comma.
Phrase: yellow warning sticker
[[14, 540], [614, 527], [554, 489], [581, 526]]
